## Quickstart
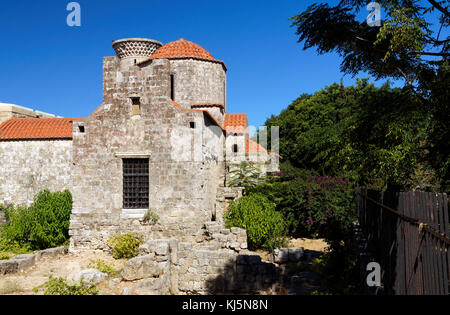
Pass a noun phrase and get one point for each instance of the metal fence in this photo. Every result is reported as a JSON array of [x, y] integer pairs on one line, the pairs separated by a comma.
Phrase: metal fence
[[408, 232]]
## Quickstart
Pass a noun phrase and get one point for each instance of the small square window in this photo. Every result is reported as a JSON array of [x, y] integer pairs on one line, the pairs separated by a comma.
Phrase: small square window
[[136, 101], [192, 124], [81, 129]]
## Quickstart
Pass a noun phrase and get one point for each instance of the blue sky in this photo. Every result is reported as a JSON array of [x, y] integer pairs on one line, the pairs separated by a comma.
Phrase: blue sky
[[49, 66]]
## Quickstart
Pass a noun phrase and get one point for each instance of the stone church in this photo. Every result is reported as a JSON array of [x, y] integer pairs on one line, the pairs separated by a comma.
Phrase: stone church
[[162, 140]]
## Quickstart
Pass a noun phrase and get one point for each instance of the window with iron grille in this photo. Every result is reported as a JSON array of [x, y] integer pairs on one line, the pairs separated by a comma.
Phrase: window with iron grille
[[135, 184]]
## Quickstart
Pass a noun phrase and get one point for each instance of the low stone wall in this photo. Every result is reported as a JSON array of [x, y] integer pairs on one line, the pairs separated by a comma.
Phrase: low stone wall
[[217, 237], [168, 266], [23, 262]]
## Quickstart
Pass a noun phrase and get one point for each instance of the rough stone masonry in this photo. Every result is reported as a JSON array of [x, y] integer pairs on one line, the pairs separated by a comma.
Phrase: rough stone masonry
[[161, 142]]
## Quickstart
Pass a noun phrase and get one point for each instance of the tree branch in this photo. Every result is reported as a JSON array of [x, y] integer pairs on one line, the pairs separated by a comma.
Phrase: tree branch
[[430, 54], [439, 7]]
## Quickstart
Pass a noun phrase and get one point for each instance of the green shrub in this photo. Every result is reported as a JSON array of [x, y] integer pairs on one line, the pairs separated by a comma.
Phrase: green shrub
[[14, 247], [102, 266], [312, 206], [245, 175], [151, 217], [4, 256], [125, 245], [45, 224], [60, 286], [265, 226]]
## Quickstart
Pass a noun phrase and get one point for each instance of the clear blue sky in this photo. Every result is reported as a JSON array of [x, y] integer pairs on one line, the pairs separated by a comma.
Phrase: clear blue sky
[[49, 66]]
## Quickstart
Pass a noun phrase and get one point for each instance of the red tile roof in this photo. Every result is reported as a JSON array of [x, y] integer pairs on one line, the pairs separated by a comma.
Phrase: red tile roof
[[254, 147], [182, 49], [37, 128], [236, 123], [198, 110], [207, 105]]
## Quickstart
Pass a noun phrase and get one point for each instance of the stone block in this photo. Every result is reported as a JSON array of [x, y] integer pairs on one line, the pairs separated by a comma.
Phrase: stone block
[[91, 276], [296, 254], [281, 256], [51, 252], [141, 268], [25, 261], [162, 249], [8, 267]]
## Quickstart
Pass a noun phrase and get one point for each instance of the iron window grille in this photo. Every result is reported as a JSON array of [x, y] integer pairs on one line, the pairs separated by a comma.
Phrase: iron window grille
[[135, 184]]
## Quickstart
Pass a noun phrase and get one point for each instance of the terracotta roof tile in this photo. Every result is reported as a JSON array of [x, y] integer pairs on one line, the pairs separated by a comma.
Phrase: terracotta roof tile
[[208, 105], [198, 110], [236, 123], [254, 147], [182, 49], [37, 128]]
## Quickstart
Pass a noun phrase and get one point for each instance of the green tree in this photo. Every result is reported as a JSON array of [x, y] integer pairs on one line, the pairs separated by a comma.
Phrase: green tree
[[356, 132], [406, 46]]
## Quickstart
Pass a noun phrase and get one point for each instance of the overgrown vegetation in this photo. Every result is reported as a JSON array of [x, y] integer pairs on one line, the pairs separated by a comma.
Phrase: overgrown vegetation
[[45, 224], [4, 256], [102, 266], [373, 137], [151, 218], [312, 206], [61, 286], [265, 226], [387, 138], [125, 245], [245, 175]]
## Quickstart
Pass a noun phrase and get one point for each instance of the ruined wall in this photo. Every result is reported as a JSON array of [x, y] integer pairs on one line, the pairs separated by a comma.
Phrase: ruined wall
[[184, 162], [28, 167], [209, 266]]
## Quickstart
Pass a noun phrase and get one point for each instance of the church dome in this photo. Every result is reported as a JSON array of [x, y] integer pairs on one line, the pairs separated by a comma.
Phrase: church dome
[[183, 49]]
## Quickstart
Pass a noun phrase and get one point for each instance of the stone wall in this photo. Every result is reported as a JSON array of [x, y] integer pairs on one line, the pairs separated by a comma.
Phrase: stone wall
[[183, 148], [199, 82], [28, 167], [8, 111], [168, 266]]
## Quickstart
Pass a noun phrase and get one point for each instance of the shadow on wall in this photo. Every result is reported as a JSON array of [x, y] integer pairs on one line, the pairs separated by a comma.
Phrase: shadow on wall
[[248, 274]]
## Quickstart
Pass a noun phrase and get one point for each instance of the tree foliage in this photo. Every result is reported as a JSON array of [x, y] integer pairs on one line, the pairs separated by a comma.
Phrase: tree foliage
[[44, 224], [409, 131], [372, 136]]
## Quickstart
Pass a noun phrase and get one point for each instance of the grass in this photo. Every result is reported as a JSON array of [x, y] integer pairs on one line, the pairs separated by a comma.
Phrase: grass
[[5, 256], [10, 287], [102, 266]]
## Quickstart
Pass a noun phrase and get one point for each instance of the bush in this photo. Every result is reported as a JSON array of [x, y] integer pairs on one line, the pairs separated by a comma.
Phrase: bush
[[102, 266], [60, 286], [125, 245], [4, 256], [151, 218], [312, 206], [45, 224], [265, 226]]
